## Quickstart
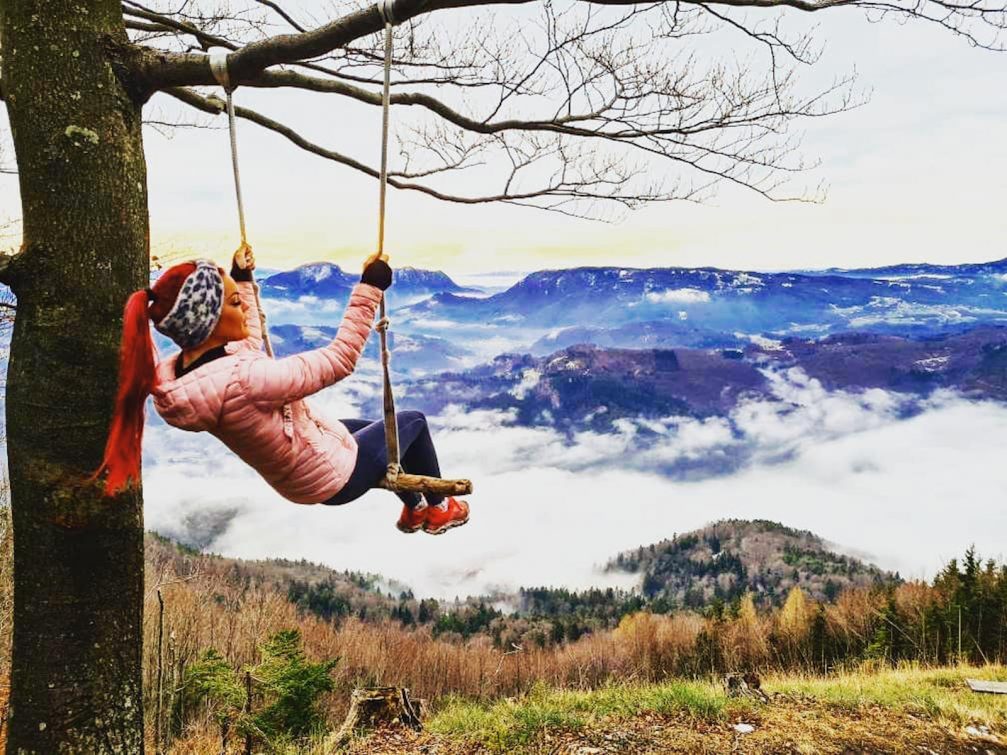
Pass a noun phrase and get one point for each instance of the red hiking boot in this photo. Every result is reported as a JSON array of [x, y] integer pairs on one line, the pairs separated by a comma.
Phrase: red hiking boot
[[411, 519], [439, 521]]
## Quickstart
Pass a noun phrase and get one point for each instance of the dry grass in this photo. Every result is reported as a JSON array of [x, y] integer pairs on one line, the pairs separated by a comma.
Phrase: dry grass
[[939, 694], [902, 710]]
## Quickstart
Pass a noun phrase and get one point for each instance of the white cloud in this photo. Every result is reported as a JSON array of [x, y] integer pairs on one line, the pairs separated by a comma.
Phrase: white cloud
[[529, 379], [545, 512], [770, 344], [895, 311], [747, 281], [679, 295]]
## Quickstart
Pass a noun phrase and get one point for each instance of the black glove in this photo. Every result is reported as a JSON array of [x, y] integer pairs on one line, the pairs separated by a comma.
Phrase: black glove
[[378, 273], [240, 274]]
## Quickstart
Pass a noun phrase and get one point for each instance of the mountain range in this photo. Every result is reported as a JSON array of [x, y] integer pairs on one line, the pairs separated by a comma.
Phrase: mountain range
[[327, 280], [585, 347], [703, 302], [585, 387], [673, 306], [412, 353]]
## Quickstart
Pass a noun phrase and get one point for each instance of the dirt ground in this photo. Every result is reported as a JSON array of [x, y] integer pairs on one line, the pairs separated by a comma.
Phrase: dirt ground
[[788, 725]]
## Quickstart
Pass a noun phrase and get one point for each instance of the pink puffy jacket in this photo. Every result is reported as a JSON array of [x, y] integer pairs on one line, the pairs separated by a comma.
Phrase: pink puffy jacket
[[240, 399]]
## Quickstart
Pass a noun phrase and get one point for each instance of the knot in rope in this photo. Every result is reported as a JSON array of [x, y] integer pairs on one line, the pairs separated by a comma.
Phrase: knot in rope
[[218, 65], [387, 14]]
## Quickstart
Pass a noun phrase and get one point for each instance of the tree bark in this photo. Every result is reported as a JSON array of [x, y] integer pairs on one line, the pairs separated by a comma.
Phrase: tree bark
[[372, 708], [78, 558]]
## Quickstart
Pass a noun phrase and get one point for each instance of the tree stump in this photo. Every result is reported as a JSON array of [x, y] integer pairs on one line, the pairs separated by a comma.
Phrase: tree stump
[[374, 708], [745, 685]]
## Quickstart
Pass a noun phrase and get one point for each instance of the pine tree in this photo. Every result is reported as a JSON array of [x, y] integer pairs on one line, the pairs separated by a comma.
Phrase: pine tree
[[291, 686]]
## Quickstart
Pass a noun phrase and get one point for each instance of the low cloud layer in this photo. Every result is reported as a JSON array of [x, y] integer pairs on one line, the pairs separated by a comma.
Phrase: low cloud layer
[[907, 493], [679, 296]]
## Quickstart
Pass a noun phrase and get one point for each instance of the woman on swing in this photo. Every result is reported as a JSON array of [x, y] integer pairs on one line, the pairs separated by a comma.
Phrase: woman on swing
[[222, 382]]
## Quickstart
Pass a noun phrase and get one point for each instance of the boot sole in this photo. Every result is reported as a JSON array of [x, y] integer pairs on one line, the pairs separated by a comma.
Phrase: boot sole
[[446, 526], [408, 530]]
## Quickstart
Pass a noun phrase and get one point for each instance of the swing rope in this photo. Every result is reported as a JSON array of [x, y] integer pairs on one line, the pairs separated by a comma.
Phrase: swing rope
[[218, 64], [391, 426], [395, 479]]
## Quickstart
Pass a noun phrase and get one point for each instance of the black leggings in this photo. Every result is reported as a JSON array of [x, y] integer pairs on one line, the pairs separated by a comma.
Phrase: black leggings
[[416, 454]]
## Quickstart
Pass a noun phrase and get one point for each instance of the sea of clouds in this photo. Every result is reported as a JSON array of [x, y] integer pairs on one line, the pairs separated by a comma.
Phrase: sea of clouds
[[907, 492]]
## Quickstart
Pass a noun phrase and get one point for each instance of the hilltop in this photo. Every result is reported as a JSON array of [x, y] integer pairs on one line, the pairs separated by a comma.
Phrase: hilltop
[[326, 279], [723, 561], [506, 683]]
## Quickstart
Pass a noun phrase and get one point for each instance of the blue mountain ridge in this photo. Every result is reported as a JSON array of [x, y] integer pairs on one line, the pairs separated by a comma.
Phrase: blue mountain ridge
[[327, 280], [587, 388], [410, 352], [917, 270], [710, 300]]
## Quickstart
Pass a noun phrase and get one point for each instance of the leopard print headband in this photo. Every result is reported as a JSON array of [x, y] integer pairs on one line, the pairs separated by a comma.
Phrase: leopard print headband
[[197, 307]]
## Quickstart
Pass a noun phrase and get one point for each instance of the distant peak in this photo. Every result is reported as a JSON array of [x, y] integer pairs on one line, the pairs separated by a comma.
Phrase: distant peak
[[316, 265]]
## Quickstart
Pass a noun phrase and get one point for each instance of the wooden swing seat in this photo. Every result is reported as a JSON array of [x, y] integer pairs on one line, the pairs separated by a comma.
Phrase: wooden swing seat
[[416, 483]]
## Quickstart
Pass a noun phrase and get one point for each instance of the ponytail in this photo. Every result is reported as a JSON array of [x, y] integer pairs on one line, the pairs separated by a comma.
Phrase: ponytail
[[136, 381]]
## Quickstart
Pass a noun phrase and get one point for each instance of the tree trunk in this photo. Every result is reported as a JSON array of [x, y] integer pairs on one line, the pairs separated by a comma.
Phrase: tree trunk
[[78, 558], [373, 708]]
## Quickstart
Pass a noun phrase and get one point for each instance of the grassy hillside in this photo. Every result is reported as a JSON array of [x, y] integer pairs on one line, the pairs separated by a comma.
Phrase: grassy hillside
[[888, 711]]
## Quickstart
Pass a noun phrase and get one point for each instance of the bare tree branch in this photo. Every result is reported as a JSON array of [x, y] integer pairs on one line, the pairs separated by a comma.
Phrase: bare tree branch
[[282, 13], [544, 109], [146, 26], [564, 187], [159, 22], [664, 141], [253, 58]]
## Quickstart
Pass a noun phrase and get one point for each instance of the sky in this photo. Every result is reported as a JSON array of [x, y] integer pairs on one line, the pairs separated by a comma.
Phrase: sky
[[916, 174]]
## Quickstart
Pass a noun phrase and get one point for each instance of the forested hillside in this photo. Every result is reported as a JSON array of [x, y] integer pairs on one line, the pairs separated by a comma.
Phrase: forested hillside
[[710, 569], [722, 562]]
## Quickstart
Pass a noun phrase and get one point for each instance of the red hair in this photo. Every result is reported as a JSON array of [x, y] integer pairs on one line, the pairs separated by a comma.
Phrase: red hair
[[137, 377]]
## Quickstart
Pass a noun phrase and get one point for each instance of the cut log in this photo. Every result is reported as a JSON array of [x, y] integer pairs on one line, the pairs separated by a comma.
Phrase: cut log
[[414, 483], [373, 708], [745, 685]]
